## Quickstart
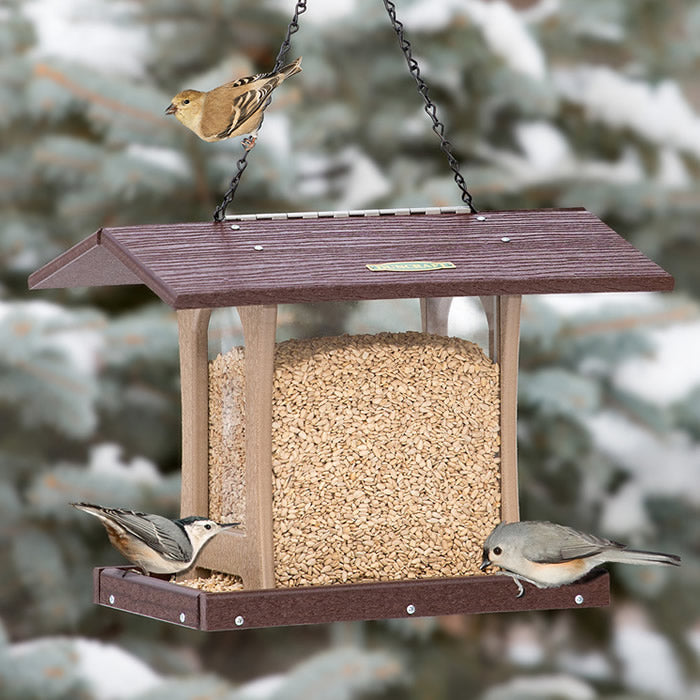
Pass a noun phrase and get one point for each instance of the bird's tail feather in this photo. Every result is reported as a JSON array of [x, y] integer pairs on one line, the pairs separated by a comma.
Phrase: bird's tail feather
[[640, 556], [87, 507], [290, 69]]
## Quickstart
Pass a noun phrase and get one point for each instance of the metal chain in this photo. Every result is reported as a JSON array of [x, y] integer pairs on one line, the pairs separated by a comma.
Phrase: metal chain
[[430, 109], [293, 28], [242, 164]]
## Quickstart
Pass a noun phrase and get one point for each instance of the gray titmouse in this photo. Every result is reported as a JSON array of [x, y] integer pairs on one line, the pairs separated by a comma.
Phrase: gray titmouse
[[549, 555]]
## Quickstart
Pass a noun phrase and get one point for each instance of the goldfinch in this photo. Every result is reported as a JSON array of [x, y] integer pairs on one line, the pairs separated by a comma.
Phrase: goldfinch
[[233, 109]]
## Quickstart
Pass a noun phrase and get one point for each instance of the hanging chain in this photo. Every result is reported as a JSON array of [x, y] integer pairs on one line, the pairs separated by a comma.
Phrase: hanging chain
[[242, 164], [430, 109], [293, 28]]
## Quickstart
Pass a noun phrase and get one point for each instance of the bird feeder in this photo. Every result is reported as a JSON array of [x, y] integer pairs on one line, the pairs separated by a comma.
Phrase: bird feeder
[[256, 262]]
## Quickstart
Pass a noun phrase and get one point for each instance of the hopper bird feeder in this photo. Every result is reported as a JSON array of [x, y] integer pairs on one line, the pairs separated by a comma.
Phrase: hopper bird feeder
[[366, 470], [256, 262]]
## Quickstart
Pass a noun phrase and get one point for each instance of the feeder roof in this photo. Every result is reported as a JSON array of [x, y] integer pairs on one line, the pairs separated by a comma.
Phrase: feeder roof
[[285, 258]]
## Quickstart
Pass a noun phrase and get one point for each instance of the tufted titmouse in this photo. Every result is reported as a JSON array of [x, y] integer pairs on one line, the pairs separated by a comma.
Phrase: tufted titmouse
[[549, 555], [155, 544]]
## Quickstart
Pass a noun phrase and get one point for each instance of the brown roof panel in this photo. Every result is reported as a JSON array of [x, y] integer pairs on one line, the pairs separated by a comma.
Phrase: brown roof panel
[[283, 260]]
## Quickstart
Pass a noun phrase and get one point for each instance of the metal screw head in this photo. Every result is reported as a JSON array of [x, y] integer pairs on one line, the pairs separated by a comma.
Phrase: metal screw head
[[257, 247], [410, 608], [182, 617], [111, 600], [578, 599], [235, 227], [505, 239], [239, 620], [481, 218]]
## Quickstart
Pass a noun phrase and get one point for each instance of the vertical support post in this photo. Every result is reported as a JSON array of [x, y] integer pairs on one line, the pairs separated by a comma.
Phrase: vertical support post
[[249, 553], [259, 326], [192, 327], [508, 344], [434, 314]]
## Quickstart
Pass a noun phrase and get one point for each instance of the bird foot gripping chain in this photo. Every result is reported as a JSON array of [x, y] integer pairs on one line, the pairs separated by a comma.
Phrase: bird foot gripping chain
[[249, 142]]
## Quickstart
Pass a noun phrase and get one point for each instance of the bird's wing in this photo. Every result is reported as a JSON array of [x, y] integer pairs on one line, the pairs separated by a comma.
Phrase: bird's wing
[[157, 532], [230, 105], [552, 544]]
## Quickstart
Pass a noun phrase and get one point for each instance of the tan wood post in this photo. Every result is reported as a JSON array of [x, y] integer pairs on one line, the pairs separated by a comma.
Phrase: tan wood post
[[193, 325], [259, 325], [249, 552], [508, 343]]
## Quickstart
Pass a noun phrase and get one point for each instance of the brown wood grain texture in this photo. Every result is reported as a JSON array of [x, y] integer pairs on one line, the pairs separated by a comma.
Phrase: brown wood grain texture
[[122, 589], [508, 320], [86, 264], [145, 595], [305, 260]]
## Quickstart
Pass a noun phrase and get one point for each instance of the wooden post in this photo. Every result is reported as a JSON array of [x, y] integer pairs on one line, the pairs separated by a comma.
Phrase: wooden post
[[508, 343], [434, 314], [259, 325], [192, 326], [248, 553]]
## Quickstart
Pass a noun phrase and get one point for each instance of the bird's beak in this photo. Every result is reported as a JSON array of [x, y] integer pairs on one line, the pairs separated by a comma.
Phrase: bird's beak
[[171, 109], [485, 561], [228, 525]]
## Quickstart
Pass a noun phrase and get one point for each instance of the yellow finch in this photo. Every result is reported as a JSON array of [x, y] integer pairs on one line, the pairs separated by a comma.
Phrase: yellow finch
[[232, 109]]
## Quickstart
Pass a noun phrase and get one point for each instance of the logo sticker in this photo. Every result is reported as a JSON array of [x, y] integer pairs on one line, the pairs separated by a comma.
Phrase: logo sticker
[[411, 266]]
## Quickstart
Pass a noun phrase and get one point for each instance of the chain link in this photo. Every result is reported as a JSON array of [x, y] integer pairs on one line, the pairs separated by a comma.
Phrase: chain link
[[293, 28], [430, 108], [242, 164]]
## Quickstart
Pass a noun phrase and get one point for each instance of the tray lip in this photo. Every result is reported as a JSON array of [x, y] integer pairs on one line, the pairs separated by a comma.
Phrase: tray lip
[[217, 611]]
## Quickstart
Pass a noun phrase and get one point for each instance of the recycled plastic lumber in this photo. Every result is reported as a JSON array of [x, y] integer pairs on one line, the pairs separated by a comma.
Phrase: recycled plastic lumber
[[290, 260], [123, 589]]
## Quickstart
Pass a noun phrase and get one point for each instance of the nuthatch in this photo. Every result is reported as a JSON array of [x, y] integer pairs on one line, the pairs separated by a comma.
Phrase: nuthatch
[[156, 544], [549, 555]]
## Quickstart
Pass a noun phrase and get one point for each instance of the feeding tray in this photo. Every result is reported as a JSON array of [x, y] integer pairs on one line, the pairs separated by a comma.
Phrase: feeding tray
[[256, 262], [122, 589]]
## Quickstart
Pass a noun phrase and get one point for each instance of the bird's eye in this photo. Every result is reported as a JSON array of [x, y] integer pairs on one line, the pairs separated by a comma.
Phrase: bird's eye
[[497, 551], [185, 102], [207, 526]]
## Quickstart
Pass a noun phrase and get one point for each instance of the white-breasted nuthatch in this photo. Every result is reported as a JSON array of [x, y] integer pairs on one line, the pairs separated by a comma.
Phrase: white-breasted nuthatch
[[156, 544], [549, 555]]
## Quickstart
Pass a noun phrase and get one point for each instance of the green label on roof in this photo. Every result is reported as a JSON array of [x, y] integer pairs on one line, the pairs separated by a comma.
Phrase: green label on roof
[[410, 266]]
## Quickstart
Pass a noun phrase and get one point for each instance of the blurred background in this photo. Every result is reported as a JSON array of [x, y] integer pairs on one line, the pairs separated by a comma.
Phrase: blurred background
[[548, 103]]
